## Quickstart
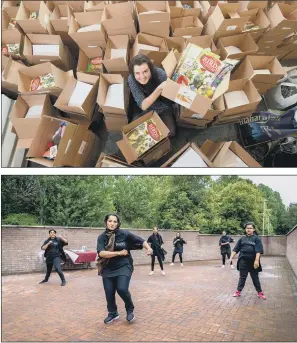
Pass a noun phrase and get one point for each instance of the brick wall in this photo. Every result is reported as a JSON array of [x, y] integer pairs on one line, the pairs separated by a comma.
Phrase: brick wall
[[292, 249], [21, 251]]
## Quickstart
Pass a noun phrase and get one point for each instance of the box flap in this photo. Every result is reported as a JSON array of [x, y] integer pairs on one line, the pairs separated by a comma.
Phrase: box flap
[[24, 143], [127, 151]]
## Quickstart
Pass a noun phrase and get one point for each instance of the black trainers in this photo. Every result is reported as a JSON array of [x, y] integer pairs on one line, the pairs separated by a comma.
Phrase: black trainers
[[63, 283], [43, 281], [130, 317], [111, 317]]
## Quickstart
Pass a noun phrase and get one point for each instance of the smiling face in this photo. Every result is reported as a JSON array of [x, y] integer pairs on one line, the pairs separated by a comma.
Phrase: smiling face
[[249, 229], [142, 73], [112, 223], [52, 234]]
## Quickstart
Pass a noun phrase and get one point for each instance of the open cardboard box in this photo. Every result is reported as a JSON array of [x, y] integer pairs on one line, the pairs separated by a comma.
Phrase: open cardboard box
[[196, 124], [110, 161], [153, 23], [217, 153], [204, 42], [27, 74], [84, 55], [177, 10], [176, 43], [74, 149], [243, 41], [190, 162], [258, 17], [278, 53], [87, 104], [119, 20], [269, 42], [10, 3], [172, 90], [60, 18], [9, 14], [26, 127], [250, 5], [10, 73], [251, 92], [186, 26], [153, 154], [290, 56], [222, 120], [156, 56], [76, 5], [13, 37], [115, 122], [283, 19], [90, 6], [41, 24], [207, 7], [90, 38], [62, 61], [119, 65], [262, 82], [107, 80]]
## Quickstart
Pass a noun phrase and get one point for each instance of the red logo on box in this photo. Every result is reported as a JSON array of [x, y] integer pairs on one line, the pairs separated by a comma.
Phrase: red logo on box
[[35, 83], [153, 131], [209, 63], [4, 49], [96, 60]]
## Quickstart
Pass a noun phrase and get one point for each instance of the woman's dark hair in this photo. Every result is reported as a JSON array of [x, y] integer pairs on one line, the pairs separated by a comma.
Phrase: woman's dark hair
[[52, 230], [138, 60], [253, 225], [112, 215]]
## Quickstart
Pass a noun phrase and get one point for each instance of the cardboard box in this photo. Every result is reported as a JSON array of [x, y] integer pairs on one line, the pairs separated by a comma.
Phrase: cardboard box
[[62, 61], [9, 14], [41, 24], [10, 73], [195, 124], [119, 65], [153, 154], [195, 158], [153, 17], [119, 20], [90, 6], [204, 42], [186, 26], [60, 18], [74, 149], [10, 3], [27, 74], [250, 5], [155, 56], [283, 19], [27, 127], [258, 17], [13, 37], [218, 107], [291, 55], [106, 80], [83, 59], [278, 53], [176, 43], [88, 98], [222, 120], [177, 10], [269, 42], [110, 161], [251, 92], [217, 153], [115, 122], [262, 82], [76, 5], [90, 38], [243, 41]]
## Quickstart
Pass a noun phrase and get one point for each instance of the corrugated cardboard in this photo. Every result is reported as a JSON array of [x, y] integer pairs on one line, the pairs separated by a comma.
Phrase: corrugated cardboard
[[117, 65], [110, 161], [10, 73], [27, 74], [204, 42], [186, 26], [87, 107], [14, 36], [183, 150], [156, 56], [278, 53], [75, 147], [177, 10], [94, 6], [221, 120], [250, 5], [258, 17], [26, 127], [243, 41], [83, 58], [159, 150], [115, 122], [76, 5], [175, 43], [291, 56], [9, 13], [215, 152]]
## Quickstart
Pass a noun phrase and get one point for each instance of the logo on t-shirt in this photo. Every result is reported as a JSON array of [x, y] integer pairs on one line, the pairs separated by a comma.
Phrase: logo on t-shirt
[[120, 245]]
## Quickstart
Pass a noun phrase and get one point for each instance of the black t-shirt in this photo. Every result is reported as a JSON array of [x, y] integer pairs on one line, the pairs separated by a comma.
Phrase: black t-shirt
[[120, 265], [55, 249], [249, 246], [225, 239], [178, 243]]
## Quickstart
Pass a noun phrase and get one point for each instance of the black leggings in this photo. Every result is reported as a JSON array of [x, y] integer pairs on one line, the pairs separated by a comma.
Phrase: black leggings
[[159, 260], [49, 266], [228, 253], [180, 254], [118, 284], [244, 269]]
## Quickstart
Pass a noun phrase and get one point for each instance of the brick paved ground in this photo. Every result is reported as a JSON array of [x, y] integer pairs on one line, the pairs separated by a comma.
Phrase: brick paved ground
[[192, 303]]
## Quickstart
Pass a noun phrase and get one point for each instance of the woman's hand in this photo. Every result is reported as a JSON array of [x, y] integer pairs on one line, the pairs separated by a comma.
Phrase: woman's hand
[[230, 260], [149, 252], [161, 86], [256, 264], [123, 252]]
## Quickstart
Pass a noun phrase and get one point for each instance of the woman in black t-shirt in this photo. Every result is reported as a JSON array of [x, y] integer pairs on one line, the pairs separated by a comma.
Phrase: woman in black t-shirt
[[178, 243], [54, 253], [156, 243], [250, 248], [224, 244], [115, 265]]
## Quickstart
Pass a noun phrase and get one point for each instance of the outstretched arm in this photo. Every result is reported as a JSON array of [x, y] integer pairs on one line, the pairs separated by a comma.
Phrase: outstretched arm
[[146, 246]]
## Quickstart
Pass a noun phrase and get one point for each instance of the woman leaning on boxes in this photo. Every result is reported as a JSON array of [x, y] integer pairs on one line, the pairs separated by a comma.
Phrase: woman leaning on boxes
[[146, 83]]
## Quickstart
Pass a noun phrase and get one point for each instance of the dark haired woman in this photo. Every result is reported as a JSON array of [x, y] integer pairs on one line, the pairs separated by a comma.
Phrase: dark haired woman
[[250, 248], [146, 83], [156, 243], [54, 253], [178, 243], [224, 244], [115, 265]]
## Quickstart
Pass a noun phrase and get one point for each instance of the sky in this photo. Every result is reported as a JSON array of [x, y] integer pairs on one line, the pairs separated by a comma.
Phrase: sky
[[285, 185]]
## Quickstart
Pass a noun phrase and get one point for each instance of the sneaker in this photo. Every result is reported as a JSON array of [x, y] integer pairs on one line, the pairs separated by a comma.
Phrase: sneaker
[[223, 266], [162, 272], [43, 281], [181, 265], [63, 283], [111, 317], [261, 295], [130, 317], [232, 267], [151, 273], [237, 294], [172, 264]]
